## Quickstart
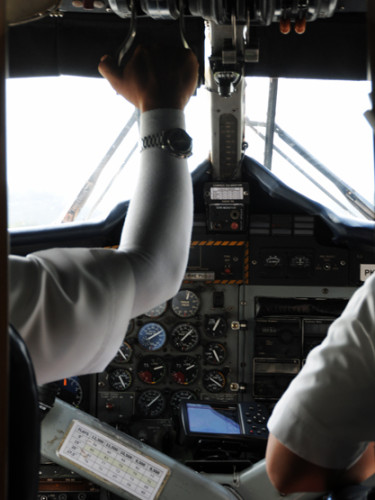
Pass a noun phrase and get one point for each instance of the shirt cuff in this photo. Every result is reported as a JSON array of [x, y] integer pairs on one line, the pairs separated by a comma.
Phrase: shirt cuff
[[156, 120]]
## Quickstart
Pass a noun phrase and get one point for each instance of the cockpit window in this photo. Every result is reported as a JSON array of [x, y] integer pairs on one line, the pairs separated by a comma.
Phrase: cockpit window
[[73, 154], [72, 149], [312, 135]]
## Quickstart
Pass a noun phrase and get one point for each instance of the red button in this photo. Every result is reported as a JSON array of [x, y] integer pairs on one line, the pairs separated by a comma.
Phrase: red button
[[234, 226]]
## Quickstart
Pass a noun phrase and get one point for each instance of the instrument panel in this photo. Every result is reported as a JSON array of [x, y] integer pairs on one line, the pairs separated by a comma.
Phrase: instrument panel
[[237, 332], [184, 349]]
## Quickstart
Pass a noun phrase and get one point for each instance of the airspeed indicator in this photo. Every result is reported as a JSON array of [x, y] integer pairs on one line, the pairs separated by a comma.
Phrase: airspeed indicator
[[152, 336]]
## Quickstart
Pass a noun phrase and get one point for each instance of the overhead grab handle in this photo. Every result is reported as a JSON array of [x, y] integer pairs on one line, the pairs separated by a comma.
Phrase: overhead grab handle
[[128, 42]]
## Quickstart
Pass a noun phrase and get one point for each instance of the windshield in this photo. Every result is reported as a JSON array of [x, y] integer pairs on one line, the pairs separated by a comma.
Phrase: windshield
[[312, 134], [72, 149], [73, 155]]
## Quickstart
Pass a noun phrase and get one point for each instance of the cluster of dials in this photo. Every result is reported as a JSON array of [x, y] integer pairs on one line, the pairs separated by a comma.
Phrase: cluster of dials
[[182, 369]]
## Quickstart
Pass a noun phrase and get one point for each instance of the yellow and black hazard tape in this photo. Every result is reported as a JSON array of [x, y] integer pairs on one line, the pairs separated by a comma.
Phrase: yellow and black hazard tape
[[214, 243], [226, 243]]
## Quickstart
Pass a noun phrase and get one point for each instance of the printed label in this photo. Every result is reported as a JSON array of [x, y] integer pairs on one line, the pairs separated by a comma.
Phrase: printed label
[[365, 271], [115, 463]]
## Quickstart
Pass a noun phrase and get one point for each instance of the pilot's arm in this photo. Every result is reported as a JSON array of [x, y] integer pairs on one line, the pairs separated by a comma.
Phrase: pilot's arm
[[72, 306], [322, 429]]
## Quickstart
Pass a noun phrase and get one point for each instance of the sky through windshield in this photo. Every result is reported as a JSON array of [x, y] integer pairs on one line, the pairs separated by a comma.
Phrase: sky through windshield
[[60, 128]]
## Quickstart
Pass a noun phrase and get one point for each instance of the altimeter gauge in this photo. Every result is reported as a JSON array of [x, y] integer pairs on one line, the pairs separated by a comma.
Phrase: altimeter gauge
[[185, 337]]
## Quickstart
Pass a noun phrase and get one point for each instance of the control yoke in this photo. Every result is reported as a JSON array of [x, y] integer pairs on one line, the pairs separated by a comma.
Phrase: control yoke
[[133, 470]]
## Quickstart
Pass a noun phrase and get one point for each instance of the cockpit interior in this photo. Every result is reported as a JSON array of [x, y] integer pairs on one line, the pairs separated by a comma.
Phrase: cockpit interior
[[283, 232]]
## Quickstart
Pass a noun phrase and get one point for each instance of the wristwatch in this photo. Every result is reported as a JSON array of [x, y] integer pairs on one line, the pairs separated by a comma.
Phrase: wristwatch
[[174, 141]]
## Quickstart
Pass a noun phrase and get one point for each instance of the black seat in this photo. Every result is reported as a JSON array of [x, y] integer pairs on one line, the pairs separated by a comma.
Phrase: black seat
[[24, 423]]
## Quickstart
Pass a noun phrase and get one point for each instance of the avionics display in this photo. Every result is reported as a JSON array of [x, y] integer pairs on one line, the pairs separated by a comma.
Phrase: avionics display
[[213, 420]]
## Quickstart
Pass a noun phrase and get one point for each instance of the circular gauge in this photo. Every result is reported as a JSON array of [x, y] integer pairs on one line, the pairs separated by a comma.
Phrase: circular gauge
[[179, 396], [157, 311], [123, 354], [120, 379], [70, 391], [184, 370], [214, 381], [214, 353], [151, 403], [152, 336], [185, 337], [216, 326], [151, 369], [185, 304]]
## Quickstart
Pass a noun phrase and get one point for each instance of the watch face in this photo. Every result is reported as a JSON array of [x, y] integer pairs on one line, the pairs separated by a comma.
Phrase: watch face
[[179, 142]]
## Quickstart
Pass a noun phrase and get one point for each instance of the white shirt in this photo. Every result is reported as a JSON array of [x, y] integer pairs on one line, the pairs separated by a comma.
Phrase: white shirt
[[327, 414], [72, 306]]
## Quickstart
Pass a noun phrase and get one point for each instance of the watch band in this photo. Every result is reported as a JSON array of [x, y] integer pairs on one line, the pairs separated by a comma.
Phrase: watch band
[[152, 141], [175, 142]]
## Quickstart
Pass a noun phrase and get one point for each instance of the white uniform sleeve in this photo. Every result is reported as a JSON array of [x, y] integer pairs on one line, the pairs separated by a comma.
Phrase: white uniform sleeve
[[327, 415], [72, 306]]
